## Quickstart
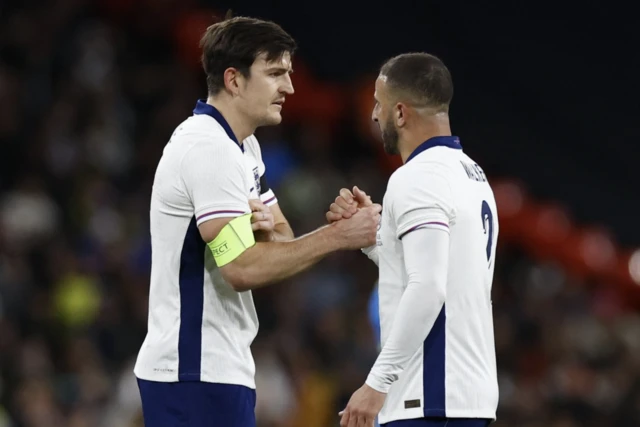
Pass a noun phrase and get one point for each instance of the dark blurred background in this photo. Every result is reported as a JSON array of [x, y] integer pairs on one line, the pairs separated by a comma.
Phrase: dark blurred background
[[546, 100]]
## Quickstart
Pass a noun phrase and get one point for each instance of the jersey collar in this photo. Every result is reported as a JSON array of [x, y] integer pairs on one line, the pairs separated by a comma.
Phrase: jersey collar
[[437, 141], [203, 108]]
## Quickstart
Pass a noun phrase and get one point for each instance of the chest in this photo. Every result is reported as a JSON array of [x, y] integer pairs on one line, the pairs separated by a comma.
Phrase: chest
[[253, 171]]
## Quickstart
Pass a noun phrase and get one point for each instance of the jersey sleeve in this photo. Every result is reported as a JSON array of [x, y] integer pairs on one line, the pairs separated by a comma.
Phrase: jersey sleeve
[[420, 199], [420, 309], [214, 179], [267, 196]]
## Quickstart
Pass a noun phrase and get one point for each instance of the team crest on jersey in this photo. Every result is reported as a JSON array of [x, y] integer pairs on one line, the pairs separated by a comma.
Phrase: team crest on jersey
[[256, 178]]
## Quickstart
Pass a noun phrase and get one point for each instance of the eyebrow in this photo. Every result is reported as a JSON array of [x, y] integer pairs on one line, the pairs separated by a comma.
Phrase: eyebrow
[[279, 68]]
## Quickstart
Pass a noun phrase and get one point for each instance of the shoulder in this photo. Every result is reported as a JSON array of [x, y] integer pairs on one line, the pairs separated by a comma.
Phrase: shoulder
[[401, 183], [207, 154], [201, 134], [418, 184], [418, 175], [200, 127]]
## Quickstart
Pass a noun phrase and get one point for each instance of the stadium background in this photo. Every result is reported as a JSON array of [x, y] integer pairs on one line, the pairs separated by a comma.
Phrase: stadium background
[[546, 100]]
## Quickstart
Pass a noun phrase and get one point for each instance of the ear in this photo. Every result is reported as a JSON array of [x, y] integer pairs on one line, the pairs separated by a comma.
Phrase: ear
[[231, 83], [400, 113]]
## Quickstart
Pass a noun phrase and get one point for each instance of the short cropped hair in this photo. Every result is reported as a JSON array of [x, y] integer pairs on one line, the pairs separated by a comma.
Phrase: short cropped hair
[[237, 42], [421, 79]]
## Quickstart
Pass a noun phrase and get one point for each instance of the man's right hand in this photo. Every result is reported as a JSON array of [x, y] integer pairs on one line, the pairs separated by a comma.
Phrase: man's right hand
[[347, 204], [360, 229]]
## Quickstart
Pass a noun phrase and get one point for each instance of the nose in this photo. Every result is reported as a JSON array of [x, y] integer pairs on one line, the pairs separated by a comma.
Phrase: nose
[[375, 112], [287, 88]]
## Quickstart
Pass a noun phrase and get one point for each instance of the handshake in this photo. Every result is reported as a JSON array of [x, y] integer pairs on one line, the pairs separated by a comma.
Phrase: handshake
[[356, 217], [353, 219]]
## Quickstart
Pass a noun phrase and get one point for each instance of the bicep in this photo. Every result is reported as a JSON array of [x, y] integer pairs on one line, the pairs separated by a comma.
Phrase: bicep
[[426, 257], [210, 229], [242, 253], [214, 181], [420, 199]]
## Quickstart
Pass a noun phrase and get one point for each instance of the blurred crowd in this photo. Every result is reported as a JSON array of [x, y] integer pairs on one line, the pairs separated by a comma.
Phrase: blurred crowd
[[87, 106]]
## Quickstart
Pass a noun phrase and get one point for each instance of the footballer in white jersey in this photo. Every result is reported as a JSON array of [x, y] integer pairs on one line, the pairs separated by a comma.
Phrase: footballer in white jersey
[[205, 334], [453, 373], [217, 233], [435, 250]]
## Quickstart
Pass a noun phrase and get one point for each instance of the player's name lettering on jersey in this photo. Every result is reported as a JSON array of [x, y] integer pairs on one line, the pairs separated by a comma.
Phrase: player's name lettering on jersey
[[474, 172]]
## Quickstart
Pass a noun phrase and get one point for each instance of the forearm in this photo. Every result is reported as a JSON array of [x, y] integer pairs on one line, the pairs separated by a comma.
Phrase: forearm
[[282, 232], [411, 326], [419, 307], [269, 262]]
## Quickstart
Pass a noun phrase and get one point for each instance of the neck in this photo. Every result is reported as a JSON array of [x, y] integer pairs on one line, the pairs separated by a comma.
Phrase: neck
[[239, 124], [426, 128]]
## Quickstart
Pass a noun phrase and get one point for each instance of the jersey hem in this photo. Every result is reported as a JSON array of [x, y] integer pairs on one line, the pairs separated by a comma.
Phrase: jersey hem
[[193, 377], [439, 413], [467, 413]]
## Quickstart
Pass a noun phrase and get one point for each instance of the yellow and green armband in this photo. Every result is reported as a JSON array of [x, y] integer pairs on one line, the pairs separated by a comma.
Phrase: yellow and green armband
[[235, 238]]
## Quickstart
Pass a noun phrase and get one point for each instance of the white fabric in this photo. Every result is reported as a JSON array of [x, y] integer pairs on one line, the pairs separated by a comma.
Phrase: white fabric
[[453, 373], [202, 174], [426, 261], [372, 253]]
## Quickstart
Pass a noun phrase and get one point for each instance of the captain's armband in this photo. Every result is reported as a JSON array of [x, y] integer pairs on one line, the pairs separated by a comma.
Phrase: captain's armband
[[234, 238]]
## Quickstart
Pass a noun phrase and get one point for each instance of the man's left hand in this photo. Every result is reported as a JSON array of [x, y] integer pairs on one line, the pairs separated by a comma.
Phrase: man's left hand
[[347, 204], [262, 222], [363, 408]]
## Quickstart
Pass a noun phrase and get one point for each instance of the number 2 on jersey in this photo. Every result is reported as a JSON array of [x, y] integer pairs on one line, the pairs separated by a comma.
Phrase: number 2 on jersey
[[487, 224]]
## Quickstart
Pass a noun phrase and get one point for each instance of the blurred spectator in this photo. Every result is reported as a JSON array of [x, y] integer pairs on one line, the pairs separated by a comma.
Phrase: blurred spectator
[[90, 97]]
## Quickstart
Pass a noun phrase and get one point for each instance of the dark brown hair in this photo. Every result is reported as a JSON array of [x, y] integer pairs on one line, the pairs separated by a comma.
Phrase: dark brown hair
[[421, 78], [237, 42]]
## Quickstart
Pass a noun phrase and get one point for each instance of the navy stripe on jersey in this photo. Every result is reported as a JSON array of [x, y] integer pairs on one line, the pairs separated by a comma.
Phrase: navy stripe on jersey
[[436, 141], [264, 186], [191, 304], [433, 368]]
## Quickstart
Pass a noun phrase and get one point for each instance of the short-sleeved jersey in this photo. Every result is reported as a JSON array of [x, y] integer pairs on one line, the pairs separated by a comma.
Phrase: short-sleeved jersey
[[453, 374], [199, 328]]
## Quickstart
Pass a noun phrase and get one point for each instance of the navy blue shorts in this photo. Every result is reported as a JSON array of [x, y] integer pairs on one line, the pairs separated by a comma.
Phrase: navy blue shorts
[[440, 422], [197, 404]]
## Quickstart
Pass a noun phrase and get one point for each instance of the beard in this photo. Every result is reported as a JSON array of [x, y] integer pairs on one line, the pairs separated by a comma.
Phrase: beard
[[390, 138]]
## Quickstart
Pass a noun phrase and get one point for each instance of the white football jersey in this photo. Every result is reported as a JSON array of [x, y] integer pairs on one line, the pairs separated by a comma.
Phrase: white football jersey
[[453, 374], [199, 328]]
